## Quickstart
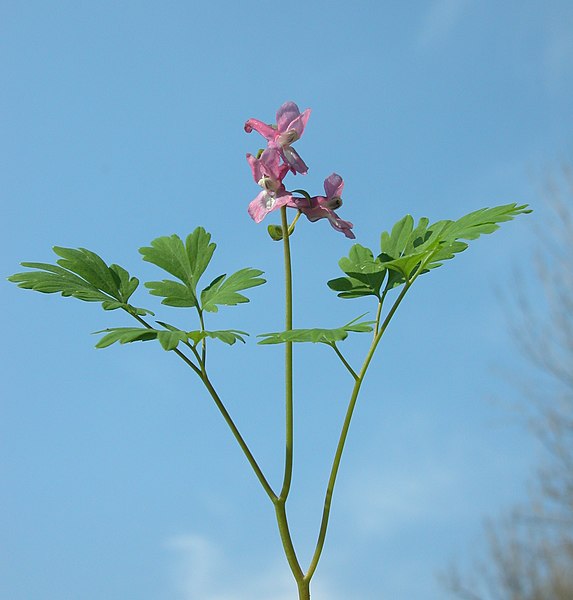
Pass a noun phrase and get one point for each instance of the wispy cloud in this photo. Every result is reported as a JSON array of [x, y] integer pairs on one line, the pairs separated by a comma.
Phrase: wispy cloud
[[440, 20], [418, 484], [382, 503], [204, 572]]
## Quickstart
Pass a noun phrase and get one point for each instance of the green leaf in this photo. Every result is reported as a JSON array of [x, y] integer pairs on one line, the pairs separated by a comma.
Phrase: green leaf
[[394, 243], [417, 238], [224, 290], [124, 335], [186, 261], [469, 227], [81, 274], [126, 284], [407, 264], [324, 336], [407, 249], [484, 220], [91, 267], [168, 338], [174, 293], [228, 336], [364, 274], [348, 287], [50, 279]]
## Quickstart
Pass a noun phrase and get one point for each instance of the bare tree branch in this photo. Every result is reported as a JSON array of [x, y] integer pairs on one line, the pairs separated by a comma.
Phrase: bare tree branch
[[530, 550]]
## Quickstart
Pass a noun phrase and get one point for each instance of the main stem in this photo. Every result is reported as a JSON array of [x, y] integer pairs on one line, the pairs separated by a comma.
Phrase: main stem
[[280, 502], [289, 425]]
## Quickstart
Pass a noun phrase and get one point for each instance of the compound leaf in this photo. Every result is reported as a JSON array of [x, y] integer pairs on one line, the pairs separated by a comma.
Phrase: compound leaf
[[394, 243], [169, 338], [484, 220], [186, 261], [82, 274], [228, 336], [224, 291], [316, 335], [364, 274], [407, 249], [173, 293]]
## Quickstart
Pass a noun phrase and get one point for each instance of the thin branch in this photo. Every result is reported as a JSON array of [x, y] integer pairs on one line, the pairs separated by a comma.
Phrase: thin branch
[[344, 361]]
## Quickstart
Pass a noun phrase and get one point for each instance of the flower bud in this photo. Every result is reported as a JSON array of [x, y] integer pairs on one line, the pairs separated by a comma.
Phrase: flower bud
[[276, 232]]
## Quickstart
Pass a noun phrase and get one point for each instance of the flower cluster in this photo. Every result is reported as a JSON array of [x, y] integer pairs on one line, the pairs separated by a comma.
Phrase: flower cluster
[[272, 165]]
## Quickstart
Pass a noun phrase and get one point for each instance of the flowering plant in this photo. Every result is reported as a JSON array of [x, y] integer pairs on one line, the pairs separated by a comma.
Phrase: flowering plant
[[407, 251]]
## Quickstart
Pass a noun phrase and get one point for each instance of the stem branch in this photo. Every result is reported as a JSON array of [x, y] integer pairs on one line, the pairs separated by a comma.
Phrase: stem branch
[[345, 426], [228, 419], [344, 361], [202, 373]]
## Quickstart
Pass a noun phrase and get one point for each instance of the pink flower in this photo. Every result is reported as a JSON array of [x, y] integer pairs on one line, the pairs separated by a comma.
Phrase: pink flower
[[269, 173], [322, 207], [289, 128]]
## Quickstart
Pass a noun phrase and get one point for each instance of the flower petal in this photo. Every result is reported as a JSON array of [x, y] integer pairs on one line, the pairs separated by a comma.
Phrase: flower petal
[[267, 131], [266, 202], [312, 208], [316, 209], [333, 186], [286, 114], [340, 225], [299, 123], [256, 167], [261, 206], [268, 165], [293, 160], [270, 160]]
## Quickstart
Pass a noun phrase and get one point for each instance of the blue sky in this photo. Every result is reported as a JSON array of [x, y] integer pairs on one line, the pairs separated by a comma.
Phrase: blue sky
[[121, 122]]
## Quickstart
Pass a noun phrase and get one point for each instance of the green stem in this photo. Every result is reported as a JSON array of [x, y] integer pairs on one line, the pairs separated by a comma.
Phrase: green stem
[[303, 589], [289, 421], [280, 502], [252, 461], [344, 361], [378, 315], [180, 354], [203, 341], [202, 373], [379, 311], [282, 521], [344, 432], [291, 226]]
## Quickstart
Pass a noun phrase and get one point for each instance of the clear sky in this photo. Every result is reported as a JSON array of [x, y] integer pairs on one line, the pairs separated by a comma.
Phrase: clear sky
[[121, 122]]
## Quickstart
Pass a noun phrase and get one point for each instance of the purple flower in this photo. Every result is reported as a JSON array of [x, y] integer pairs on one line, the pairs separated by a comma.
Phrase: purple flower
[[322, 207], [269, 173], [289, 128]]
